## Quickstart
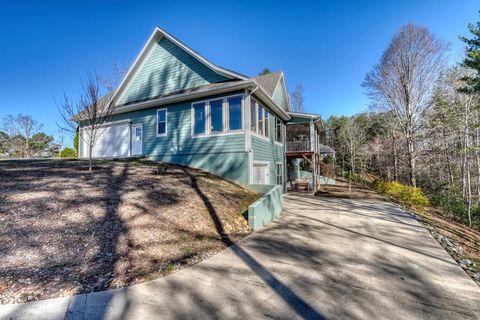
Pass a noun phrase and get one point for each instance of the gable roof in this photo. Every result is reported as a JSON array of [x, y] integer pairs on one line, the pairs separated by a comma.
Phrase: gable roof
[[269, 81], [154, 38], [234, 81]]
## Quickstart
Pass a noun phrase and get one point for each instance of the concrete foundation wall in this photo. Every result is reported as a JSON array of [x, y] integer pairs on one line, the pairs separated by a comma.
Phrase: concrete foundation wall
[[265, 209]]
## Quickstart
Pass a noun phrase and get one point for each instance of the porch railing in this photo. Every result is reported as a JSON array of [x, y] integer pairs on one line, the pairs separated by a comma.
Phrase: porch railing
[[294, 146]]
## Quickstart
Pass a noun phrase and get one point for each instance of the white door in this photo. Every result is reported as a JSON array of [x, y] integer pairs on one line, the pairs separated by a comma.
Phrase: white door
[[112, 140], [261, 173], [137, 137]]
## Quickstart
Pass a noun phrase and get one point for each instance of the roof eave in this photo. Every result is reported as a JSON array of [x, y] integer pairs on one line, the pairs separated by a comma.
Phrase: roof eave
[[270, 103], [182, 97]]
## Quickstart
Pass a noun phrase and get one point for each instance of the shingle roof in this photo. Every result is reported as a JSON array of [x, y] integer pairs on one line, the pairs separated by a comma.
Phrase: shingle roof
[[269, 81]]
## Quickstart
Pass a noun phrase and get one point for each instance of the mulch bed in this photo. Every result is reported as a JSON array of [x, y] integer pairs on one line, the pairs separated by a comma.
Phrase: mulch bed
[[65, 231]]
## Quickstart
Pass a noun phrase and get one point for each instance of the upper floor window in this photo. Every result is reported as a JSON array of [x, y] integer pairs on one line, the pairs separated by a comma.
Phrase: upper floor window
[[217, 116], [234, 105], [278, 130], [161, 122], [260, 118], [200, 118], [253, 115]]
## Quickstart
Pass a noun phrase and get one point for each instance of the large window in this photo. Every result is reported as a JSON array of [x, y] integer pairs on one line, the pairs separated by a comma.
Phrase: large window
[[260, 118], [279, 173], [266, 121], [253, 115], [200, 116], [278, 130], [217, 116], [234, 105], [161, 122]]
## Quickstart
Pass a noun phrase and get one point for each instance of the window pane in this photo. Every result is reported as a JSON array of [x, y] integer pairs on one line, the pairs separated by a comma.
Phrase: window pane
[[278, 130], [260, 120], [235, 113], [216, 115], [199, 115], [162, 127], [162, 121], [253, 115], [162, 114], [267, 123]]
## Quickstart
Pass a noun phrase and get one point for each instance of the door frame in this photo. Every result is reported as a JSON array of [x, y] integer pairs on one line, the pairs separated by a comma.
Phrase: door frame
[[140, 125]]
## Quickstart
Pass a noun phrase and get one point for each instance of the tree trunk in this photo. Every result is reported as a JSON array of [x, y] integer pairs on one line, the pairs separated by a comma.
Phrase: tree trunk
[[411, 159], [395, 159]]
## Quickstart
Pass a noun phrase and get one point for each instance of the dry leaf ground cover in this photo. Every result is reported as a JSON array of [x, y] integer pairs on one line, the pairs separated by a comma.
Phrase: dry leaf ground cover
[[65, 231]]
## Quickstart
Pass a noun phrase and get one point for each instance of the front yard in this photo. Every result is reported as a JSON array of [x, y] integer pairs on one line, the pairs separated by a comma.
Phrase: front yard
[[65, 231]]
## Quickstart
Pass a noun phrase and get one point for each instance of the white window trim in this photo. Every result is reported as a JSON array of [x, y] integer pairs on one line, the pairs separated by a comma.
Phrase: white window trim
[[166, 123], [268, 171], [227, 114], [208, 119], [279, 143], [265, 111], [276, 173]]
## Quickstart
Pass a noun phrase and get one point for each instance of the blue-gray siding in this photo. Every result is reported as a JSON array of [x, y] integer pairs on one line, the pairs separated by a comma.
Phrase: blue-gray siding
[[268, 150], [280, 96], [167, 69]]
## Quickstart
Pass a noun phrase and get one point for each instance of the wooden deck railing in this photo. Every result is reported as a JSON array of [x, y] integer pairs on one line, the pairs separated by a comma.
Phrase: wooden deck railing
[[296, 146]]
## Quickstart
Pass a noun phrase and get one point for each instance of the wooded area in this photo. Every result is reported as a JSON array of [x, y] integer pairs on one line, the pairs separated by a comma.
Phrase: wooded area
[[423, 128]]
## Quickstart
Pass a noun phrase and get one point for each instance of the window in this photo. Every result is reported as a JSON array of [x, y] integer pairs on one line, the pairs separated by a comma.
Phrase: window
[[279, 172], [161, 122], [253, 115], [200, 118], [260, 120], [266, 120], [216, 116], [234, 113], [278, 130]]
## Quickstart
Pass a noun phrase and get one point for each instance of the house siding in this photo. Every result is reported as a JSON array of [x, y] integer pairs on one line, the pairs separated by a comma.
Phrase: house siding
[[167, 69], [269, 151], [279, 96], [223, 155]]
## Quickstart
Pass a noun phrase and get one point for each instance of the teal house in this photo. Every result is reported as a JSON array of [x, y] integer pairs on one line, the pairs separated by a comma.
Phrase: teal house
[[175, 106]]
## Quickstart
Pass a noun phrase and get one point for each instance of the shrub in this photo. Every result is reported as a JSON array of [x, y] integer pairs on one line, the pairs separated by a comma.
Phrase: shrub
[[409, 196], [68, 153], [449, 198]]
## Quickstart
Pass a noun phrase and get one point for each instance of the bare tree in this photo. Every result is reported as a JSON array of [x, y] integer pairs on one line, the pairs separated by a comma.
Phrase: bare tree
[[404, 79], [90, 110], [297, 99], [353, 138], [23, 126]]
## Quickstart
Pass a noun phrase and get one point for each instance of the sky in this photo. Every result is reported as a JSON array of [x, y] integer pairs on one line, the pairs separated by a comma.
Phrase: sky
[[48, 47]]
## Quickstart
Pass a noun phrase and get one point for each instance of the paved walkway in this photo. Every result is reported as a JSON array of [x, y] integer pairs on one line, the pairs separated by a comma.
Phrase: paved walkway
[[324, 258]]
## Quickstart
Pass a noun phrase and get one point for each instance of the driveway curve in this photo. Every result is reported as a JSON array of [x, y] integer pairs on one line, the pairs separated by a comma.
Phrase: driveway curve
[[323, 259]]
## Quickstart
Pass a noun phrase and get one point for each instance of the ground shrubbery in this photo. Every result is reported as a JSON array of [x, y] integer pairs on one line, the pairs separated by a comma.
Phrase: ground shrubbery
[[68, 153], [450, 200], [409, 196]]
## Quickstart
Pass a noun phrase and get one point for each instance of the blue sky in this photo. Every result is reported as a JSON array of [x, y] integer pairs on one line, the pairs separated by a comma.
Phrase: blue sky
[[47, 47]]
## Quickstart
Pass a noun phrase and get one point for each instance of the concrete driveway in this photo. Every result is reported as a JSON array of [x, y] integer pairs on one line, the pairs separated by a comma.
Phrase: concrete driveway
[[323, 259]]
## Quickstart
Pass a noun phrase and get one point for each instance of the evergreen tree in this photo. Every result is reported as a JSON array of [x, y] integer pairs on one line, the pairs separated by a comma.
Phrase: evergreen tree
[[472, 58]]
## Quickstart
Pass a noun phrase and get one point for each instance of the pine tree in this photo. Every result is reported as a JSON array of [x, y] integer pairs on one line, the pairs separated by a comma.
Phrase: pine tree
[[472, 59]]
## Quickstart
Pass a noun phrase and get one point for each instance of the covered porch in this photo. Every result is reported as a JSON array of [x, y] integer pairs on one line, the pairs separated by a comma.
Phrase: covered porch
[[304, 153]]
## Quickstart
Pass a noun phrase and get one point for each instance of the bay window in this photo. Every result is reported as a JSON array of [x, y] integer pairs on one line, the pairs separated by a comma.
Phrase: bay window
[[278, 130]]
